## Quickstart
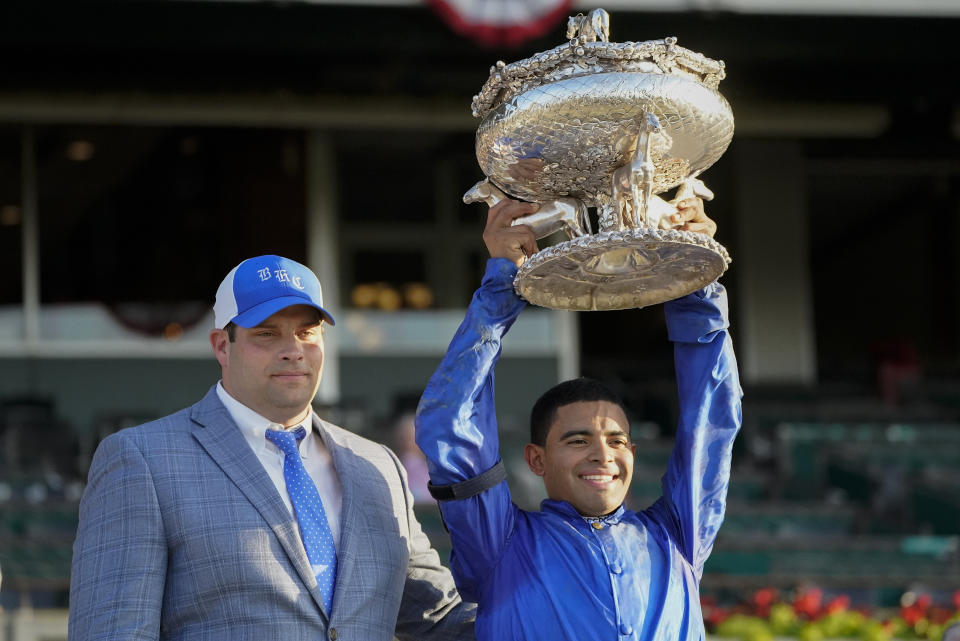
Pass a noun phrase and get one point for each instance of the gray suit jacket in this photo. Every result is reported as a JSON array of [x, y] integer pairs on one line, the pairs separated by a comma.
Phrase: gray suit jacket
[[183, 536]]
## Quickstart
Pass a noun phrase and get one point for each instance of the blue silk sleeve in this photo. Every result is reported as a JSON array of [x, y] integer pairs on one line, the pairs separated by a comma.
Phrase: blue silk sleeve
[[456, 427], [698, 473]]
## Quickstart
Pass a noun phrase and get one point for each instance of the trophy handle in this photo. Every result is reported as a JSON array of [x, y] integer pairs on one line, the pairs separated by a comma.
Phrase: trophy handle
[[484, 191], [567, 214], [658, 214], [692, 187]]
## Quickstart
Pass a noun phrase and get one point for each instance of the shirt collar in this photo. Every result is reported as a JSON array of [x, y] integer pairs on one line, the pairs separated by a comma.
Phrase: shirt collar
[[567, 510], [252, 424]]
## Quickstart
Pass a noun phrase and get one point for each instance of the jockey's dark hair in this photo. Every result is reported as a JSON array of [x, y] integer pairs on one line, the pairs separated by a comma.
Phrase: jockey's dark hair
[[573, 391]]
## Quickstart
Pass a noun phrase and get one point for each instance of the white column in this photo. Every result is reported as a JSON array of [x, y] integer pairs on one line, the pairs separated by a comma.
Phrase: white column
[[30, 237], [568, 344], [322, 255], [775, 337]]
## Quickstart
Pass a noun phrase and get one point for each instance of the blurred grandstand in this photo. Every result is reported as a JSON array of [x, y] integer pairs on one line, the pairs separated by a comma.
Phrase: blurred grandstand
[[865, 509]]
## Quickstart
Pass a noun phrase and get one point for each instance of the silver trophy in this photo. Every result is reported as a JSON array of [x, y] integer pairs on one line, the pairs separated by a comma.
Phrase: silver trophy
[[608, 125]]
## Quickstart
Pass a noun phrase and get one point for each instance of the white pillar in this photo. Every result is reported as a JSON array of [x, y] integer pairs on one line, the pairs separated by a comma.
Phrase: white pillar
[[776, 342], [322, 254], [568, 344], [30, 236]]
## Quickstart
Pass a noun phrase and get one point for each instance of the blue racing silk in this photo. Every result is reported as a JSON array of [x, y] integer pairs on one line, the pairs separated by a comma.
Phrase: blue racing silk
[[551, 575]]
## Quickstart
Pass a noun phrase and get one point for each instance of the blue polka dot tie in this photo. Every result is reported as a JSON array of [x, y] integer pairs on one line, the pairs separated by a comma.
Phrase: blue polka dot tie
[[314, 528]]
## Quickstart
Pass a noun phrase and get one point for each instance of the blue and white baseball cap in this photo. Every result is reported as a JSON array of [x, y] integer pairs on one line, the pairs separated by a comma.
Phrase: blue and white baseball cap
[[259, 287]]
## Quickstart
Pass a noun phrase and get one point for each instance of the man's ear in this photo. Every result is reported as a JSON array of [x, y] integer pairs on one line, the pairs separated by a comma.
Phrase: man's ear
[[533, 454], [220, 342]]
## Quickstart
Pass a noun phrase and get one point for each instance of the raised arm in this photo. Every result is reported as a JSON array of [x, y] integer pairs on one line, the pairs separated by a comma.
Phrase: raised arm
[[457, 428], [456, 420], [695, 485], [698, 473], [456, 424]]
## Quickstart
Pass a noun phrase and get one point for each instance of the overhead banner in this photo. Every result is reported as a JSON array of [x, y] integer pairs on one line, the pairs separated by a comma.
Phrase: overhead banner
[[498, 23]]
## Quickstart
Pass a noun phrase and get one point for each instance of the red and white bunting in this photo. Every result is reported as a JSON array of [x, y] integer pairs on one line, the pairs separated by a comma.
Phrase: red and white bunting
[[497, 23]]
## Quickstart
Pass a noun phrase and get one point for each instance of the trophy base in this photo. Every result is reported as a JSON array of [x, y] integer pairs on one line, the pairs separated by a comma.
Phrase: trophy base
[[621, 269]]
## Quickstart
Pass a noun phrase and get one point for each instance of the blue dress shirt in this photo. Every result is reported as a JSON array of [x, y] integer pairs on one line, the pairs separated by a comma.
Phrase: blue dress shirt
[[551, 574]]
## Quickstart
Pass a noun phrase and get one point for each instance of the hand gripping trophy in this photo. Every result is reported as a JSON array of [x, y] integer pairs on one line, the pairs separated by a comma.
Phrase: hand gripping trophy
[[607, 125]]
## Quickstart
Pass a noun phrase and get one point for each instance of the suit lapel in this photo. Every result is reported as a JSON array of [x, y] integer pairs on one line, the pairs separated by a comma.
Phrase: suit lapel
[[223, 441], [349, 515]]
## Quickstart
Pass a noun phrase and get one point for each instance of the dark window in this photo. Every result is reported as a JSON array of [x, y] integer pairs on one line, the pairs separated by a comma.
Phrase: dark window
[[11, 216], [148, 220]]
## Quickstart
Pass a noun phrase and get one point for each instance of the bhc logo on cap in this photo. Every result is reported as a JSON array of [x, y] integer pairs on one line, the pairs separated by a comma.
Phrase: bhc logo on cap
[[259, 287]]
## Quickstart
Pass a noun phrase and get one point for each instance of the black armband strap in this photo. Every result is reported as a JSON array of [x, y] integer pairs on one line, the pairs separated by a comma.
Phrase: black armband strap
[[470, 487]]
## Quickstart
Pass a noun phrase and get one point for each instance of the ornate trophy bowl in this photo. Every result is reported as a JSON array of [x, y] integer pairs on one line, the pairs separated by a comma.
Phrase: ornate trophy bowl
[[607, 125]]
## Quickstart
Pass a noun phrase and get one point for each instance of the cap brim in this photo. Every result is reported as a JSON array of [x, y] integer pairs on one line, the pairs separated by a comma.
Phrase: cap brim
[[259, 313]]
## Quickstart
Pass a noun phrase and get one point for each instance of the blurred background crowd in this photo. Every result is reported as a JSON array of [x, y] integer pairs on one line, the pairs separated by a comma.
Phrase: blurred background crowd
[[147, 147]]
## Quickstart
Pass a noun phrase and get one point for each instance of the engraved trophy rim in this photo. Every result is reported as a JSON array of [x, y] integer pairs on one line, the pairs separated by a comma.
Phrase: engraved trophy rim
[[506, 80]]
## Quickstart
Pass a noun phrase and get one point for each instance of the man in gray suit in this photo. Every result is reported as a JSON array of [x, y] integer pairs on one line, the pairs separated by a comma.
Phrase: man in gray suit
[[200, 526]]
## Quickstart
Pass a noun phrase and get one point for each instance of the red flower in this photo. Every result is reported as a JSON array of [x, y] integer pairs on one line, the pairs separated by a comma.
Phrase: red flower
[[807, 602], [762, 600], [837, 604], [714, 615], [911, 614]]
